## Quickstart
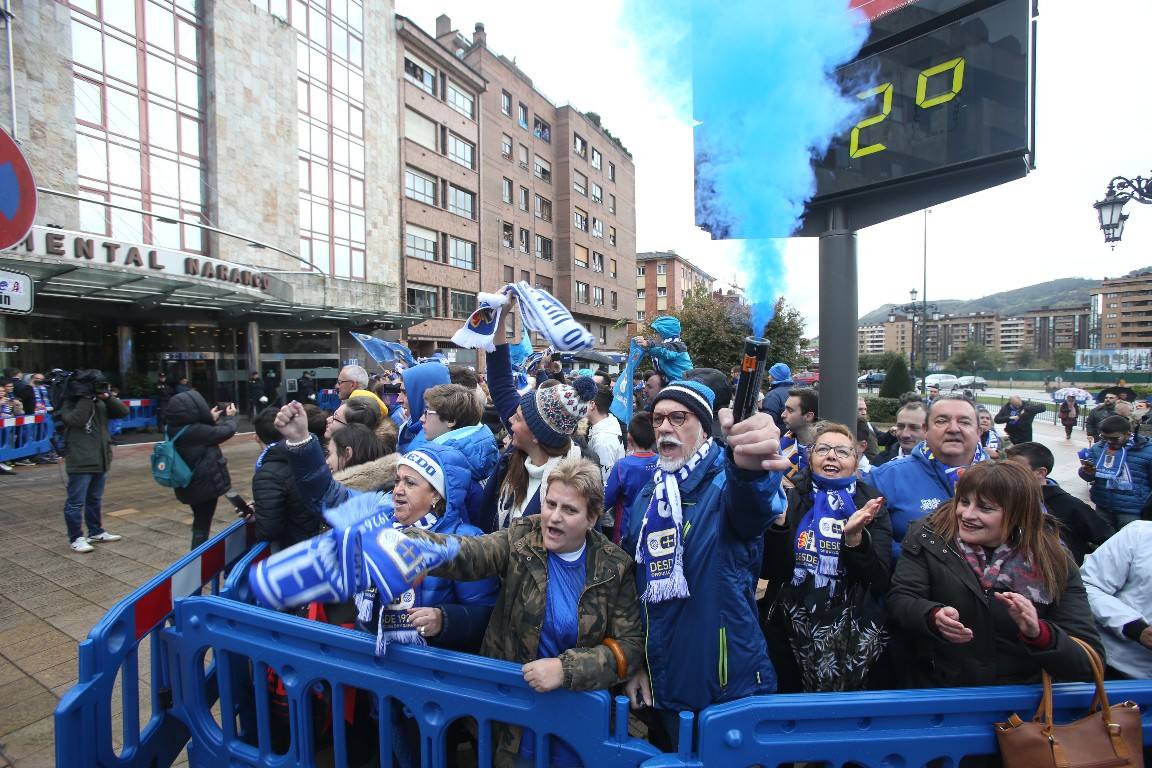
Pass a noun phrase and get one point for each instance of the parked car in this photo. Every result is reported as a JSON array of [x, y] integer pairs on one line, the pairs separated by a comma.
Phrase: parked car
[[945, 381], [871, 379], [806, 378], [972, 382]]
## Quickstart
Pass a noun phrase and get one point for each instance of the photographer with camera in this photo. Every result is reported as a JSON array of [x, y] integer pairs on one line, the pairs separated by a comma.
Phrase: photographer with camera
[[88, 405], [199, 446]]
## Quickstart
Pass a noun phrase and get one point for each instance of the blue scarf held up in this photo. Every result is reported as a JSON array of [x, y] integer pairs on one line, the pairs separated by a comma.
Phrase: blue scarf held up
[[1113, 467], [820, 533]]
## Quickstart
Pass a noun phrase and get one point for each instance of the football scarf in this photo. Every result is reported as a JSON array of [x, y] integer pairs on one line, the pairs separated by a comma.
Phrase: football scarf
[[820, 533], [542, 314]]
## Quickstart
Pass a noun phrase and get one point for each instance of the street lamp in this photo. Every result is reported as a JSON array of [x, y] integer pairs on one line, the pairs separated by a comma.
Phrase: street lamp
[[1110, 210], [914, 311]]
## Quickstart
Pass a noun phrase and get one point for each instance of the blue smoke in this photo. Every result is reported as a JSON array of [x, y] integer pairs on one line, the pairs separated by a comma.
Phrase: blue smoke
[[763, 93]]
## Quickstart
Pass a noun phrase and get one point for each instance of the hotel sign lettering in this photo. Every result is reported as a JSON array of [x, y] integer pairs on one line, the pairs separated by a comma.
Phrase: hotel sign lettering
[[60, 245]]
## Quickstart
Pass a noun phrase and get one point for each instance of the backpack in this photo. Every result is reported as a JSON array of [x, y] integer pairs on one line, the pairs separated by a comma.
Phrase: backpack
[[168, 468]]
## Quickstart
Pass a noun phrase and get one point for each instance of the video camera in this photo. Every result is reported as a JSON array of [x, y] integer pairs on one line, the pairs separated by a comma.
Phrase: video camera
[[86, 383]]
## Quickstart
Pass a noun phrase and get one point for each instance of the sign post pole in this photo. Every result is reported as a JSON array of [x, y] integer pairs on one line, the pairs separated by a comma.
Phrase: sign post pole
[[838, 313]]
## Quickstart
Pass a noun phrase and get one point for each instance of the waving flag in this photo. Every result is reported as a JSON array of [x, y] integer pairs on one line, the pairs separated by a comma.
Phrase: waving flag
[[622, 399], [384, 351]]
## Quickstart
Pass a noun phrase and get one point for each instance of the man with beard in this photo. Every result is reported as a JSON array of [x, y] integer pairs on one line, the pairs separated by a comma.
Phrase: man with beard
[[1097, 415], [696, 531], [801, 411], [915, 486]]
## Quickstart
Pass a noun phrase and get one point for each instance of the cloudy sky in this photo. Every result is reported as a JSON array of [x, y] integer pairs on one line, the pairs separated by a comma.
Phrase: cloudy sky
[[1093, 121]]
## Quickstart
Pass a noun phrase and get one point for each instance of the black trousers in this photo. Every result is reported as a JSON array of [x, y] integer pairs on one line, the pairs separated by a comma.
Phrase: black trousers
[[202, 515]]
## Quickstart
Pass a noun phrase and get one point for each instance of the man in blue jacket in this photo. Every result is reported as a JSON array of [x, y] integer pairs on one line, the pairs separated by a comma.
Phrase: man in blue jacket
[[417, 379], [915, 486], [696, 531], [1119, 466], [780, 381]]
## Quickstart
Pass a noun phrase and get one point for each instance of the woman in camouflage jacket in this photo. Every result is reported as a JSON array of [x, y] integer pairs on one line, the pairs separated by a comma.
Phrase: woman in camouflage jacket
[[567, 609]]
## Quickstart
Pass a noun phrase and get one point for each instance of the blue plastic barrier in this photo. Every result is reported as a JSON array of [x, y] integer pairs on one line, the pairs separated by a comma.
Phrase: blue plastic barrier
[[236, 585], [328, 399], [24, 436], [141, 414], [112, 652]]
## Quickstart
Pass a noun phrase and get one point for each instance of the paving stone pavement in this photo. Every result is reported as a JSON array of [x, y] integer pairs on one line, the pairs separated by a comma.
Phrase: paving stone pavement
[[50, 597]]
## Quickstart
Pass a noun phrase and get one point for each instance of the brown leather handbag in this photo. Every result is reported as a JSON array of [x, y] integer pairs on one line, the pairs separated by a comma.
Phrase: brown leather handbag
[[1109, 736]]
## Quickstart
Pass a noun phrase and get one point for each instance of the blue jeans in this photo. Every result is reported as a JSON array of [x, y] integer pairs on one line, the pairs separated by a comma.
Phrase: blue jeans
[[85, 492]]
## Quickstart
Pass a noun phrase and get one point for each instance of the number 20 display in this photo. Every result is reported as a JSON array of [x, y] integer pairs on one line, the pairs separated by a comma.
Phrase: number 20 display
[[923, 101]]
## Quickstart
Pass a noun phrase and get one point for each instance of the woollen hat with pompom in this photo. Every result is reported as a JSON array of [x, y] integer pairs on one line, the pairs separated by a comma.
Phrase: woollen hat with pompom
[[553, 412]]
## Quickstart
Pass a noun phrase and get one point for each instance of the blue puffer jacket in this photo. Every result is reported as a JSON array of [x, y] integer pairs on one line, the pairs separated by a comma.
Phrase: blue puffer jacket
[[912, 487], [1139, 460], [708, 648], [669, 354], [467, 605], [477, 445], [417, 380]]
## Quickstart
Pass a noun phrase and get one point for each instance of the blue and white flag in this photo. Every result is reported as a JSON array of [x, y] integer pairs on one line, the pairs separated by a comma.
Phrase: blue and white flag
[[622, 395], [544, 314], [384, 351], [480, 330]]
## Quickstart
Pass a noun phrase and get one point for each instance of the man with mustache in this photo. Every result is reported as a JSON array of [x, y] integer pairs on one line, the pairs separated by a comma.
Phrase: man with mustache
[[696, 532], [916, 485]]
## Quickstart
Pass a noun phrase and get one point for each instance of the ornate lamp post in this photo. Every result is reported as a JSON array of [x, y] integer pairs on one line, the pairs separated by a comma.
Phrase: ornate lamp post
[[915, 311], [1110, 210]]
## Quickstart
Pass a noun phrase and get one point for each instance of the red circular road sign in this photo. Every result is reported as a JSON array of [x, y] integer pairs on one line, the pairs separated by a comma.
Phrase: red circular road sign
[[17, 193]]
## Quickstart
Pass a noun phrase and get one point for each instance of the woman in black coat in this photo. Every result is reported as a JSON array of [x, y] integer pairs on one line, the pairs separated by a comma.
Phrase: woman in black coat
[[199, 446], [985, 593], [826, 560]]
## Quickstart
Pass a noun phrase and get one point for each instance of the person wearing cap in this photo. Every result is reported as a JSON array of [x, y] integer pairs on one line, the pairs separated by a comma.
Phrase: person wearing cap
[[417, 380], [540, 424], [780, 381], [696, 533], [669, 354]]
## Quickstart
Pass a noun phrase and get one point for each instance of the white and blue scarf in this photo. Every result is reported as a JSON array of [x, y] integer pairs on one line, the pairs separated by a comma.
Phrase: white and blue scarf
[[1113, 467], [395, 626], [660, 544], [820, 533], [542, 314], [993, 440], [951, 474]]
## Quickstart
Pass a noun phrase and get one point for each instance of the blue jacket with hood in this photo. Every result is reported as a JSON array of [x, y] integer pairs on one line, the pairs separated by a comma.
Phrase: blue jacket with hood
[[477, 445], [466, 605], [417, 379], [669, 355], [1124, 502], [708, 648], [777, 396], [912, 487]]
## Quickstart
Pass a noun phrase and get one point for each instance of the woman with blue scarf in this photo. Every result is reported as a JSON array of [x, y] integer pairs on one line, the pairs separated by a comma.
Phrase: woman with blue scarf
[[826, 559], [990, 439]]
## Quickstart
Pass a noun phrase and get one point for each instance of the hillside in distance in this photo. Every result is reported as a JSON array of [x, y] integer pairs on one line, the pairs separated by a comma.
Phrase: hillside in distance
[[1064, 292]]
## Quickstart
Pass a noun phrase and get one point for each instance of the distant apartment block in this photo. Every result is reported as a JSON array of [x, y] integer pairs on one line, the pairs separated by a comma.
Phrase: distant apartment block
[[663, 279], [1121, 312]]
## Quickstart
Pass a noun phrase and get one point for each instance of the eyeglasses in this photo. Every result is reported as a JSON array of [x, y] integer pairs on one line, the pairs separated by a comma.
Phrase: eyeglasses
[[344, 381], [337, 419], [676, 417], [840, 451], [429, 410]]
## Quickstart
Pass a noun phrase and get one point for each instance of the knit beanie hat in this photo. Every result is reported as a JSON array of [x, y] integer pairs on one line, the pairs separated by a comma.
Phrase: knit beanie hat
[[780, 372], [553, 412], [426, 465], [694, 396]]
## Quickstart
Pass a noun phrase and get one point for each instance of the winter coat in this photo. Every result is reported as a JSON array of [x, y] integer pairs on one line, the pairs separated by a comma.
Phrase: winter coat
[[625, 482], [1019, 431], [1082, 528], [890, 452], [708, 648], [199, 446], [606, 444], [912, 487], [281, 516], [417, 380], [932, 574], [669, 355], [608, 606], [477, 445], [1118, 580], [1095, 416], [1115, 500], [775, 399], [305, 389], [321, 490], [86, 433], [1069, 414]]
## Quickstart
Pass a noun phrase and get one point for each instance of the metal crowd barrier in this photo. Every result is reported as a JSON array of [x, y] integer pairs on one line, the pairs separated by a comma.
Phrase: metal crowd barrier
[[110, 658], [24, 436], [141, 414]]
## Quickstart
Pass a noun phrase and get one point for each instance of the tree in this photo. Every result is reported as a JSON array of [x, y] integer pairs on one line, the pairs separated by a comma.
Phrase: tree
[[1024, 357], [880, 361], [896, 380], [1062, 360], [976, 357], [713, 330], [785, 336]]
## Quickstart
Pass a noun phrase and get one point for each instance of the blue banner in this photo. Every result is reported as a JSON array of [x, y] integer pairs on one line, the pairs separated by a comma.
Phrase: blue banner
[[384, 351], [622, 399]]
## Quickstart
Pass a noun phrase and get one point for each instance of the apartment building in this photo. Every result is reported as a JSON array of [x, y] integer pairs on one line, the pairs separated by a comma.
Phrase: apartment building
[[1121, 312], [663, 279], [557, 195], [1062, 328]]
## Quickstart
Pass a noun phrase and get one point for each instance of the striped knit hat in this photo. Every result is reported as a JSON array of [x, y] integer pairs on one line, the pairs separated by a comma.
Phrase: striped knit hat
[[694, 396]]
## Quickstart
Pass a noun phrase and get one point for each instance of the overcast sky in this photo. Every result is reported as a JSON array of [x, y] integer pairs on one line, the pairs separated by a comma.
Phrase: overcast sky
[[1093, 122]]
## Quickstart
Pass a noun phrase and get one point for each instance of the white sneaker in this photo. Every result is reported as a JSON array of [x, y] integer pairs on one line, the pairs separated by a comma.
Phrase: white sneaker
[[104, 537], [81, 545]]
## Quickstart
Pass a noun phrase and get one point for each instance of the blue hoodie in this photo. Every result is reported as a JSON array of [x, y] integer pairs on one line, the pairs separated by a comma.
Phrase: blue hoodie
[[669, 355], [417, 380], [477, 446]]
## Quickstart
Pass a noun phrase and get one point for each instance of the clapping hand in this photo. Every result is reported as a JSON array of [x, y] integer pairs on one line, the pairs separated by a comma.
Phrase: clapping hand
[[860, 519], [1022, 611], [950, 627]]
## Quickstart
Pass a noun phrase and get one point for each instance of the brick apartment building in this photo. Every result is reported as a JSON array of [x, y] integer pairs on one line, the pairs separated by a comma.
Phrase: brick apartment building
[[1121, 314], [663, 279]]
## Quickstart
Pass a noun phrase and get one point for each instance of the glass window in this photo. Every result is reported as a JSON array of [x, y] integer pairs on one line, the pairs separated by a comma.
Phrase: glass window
[[582, 293], [419, 187], [523, 156], [461, 253], [416, 71], [597, 262], [419, 243], [525, 197], [506, 103], [661, 269], [612, 270], [543, 208], [460, 100], [423, 299], [597, 227], [580, 182], [639, 271], [597, 193], [522, 116], [506, 190], [543, 169], [611, 171], [462, 304], [614, 300], [580, 219], [461, 201], [509, 274], [544, 283], [507, 234], [506, 146], [597, 159], [640, 292], [579, 146], [543, 248], [541, 129], [661, 291], [611, 235], [611, 203], [640, 316], [420, 129], [597, 296], [525, 240], [603, 333], [580, 256], [461, 151]]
